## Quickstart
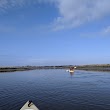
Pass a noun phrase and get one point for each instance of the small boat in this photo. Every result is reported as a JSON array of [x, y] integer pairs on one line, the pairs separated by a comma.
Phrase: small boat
[[29, 106], [71, 70]]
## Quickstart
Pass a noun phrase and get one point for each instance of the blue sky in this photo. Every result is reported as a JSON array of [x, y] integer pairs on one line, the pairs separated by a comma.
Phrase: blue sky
[[54, 32]]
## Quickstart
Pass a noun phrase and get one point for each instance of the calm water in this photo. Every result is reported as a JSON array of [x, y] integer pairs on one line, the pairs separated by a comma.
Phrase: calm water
[[55, 90]]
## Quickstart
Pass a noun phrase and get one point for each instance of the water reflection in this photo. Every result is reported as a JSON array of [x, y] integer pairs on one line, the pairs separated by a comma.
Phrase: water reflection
[[71, 74]]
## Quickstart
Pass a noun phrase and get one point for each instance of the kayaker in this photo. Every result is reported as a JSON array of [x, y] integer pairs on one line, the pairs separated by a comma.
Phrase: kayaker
[[30, 101]]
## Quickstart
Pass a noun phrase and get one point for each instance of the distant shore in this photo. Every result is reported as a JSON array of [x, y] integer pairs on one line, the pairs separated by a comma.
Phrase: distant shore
[[26, 68], [98, 67]]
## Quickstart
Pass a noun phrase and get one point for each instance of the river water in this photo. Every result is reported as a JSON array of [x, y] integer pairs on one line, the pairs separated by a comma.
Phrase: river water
[[55, 89]]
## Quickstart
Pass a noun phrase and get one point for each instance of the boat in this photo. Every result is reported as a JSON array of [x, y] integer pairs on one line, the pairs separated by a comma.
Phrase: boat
[[71, 70], [29, 105]]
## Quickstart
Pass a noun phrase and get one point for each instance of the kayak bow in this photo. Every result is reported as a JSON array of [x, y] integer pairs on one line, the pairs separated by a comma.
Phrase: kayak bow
[[29, 106]]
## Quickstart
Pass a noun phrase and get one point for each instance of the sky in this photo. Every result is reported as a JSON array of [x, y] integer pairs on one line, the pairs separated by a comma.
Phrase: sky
[[54, 32]]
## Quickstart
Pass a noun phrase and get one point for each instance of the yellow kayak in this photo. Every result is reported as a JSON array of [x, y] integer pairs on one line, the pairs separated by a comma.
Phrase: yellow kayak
[[71, 71]]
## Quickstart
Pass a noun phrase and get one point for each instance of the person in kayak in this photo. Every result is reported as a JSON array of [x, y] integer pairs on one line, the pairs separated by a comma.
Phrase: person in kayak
[[30, 101]]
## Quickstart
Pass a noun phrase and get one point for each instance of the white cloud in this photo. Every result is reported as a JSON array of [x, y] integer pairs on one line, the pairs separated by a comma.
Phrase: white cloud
[[6, 4], [72, 13], [106, 30], [76, 12], [103, 32]]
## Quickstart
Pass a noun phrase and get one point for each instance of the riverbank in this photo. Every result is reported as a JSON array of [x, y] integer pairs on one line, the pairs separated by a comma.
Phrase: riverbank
[[105, 67], [13, 69], [26, 68], [98, 67]]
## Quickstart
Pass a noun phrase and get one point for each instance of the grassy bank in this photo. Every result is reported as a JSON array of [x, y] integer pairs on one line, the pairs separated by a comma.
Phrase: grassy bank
[[105, 67], [13, 69], [26, 68]]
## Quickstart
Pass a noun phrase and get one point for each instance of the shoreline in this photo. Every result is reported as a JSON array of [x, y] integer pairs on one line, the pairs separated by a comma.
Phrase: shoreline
[[98, 67], [101, 67], [27, 68]]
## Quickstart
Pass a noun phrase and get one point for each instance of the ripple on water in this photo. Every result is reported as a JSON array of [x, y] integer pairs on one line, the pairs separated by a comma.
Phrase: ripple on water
[[55, 90]]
